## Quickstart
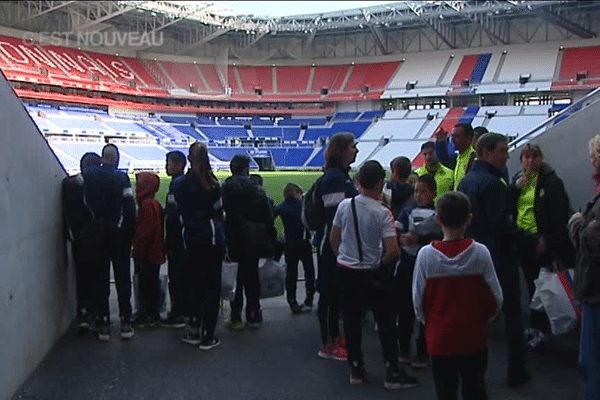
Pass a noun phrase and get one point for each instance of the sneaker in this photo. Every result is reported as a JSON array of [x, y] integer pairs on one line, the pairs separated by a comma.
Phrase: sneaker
[[325, 352], [192, 338], [173, 322], [208, 344], [396, 379], [404, 359], [254, 322], [338, 350], [536, 344], [308, 302], [420, 362], [140, 322], [127, 331], [83, 328], [104, 333], [234, 325], [357, 373], [295, 307]]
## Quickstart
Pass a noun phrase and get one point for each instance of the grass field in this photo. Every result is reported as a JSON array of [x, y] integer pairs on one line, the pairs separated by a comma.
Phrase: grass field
[[273, 182]]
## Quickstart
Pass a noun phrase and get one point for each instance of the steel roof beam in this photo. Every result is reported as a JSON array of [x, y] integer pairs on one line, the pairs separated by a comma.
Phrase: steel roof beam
[[34, 9], [569, 25]]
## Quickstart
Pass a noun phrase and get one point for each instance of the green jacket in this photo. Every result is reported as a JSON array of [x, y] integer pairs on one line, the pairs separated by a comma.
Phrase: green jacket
[[444, 178]]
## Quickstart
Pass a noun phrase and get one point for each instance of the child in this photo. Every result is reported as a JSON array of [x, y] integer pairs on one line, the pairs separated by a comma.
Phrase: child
[[297, 247], [398, 192], [455, 294], [416, 227], [356, 240], [148, 248]]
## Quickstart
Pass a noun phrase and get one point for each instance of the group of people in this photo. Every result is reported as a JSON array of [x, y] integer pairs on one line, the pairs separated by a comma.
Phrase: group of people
[[442, 244], [191, 232], [459, 230]]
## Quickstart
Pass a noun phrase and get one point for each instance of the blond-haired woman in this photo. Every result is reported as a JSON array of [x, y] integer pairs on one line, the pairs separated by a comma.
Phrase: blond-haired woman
[[585, 234]]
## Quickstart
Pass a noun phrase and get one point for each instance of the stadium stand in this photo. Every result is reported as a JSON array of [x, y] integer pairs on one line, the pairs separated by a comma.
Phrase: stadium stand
[[212, 78], [370, 76], [185, 75], [223, 133], [579, 68], [256, 78], [292, 79]]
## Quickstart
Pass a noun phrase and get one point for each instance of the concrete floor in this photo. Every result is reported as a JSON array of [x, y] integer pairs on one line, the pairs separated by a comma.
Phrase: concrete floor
[[278, 361]]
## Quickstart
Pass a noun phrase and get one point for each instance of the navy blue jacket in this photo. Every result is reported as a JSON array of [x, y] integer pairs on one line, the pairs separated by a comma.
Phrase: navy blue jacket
[[75, 211], [290, 212], [201, 212], [244, 198], [336, 185], [109, 196], [173, 227], [492, 224]]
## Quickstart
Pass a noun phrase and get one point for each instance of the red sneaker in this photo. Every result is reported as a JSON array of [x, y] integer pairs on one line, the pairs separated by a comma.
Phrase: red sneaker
[[339, 351], [326, 352]]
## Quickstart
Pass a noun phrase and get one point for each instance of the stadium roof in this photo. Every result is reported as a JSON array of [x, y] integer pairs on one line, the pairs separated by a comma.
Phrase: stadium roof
[[206, 29]]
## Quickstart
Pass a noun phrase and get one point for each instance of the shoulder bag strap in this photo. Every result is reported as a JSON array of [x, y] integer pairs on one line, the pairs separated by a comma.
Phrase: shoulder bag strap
[[358, 242]]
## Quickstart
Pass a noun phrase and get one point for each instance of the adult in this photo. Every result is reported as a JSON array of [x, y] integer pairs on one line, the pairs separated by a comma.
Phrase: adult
[[585, 234], [84, 243], [336, 185], [398, 190], [444, 176], [110, 197], [462, 139], [246, 203], [541, 205], [198, 201], [176, 162], [494, 227]]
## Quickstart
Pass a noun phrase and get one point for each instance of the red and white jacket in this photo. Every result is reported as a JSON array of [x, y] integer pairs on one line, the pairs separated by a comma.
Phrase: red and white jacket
[[455, 294]]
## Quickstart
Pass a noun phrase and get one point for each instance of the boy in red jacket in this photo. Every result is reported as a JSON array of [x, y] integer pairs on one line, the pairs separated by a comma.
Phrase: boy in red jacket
[[148, 248], [455, 294]]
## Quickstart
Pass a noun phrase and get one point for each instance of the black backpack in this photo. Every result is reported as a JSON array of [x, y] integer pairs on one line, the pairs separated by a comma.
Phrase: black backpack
[[313, 209]]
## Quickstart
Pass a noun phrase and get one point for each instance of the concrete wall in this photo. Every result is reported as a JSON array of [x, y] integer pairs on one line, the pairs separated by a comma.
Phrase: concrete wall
[[37, 301], [565, 148]]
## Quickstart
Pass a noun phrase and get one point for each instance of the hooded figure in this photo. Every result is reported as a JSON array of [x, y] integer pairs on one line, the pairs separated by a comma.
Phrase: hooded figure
[[148, 241]]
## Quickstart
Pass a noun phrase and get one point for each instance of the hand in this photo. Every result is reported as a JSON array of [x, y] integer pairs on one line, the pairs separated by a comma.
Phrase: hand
[[408, 239], [522, 181], [540, 249], [441, 135], [574, 217]]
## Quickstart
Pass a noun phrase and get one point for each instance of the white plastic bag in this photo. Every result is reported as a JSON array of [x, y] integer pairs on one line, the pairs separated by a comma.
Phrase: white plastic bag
[[271, 276], [228, 279], [555, 289]]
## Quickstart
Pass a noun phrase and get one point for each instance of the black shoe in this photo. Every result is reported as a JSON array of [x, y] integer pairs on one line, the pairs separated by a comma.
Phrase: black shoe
[[83, 328], [518, 377], [207, 344], [357, 373], [399, 379], [173, 322], [192, 337], [295, 307], [104, 333], [308, 302], [140, 322], [127, 331], [254, 321]]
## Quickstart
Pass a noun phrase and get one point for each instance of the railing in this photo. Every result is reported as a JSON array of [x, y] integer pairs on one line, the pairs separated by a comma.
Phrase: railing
[[574, 107]]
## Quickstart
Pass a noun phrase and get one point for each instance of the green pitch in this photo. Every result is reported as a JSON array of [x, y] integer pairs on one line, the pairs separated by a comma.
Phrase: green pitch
[[273, 182]]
